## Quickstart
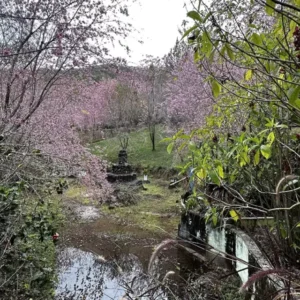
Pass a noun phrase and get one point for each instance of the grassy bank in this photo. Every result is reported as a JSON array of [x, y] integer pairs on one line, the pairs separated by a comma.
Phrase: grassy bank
[[139, 149]]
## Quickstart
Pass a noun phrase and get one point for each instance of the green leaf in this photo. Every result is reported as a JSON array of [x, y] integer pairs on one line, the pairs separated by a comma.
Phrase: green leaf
[[183, 145], [197, 55], [270, 5], [256, 39], [167, 139], [170, 147], [234, 215], [201, 174], [216, 88], [213, 52], [195, 16], [220, 171], [189, 31], [244, 158], [215, 219], [184, 137], [248, 75], [256, 158], [229, 51], [283, 232], [252, 26], [192, 146], [270, 123], [266, 151], [293, 25], [214, 177], [207, 16], [271, 138], [178, 133], [293, 94], [297, 103], [222, 51], [232, 178], [298, 225], [207, 45]]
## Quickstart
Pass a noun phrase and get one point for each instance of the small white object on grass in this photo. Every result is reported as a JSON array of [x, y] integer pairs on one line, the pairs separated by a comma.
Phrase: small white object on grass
[[100, 259]]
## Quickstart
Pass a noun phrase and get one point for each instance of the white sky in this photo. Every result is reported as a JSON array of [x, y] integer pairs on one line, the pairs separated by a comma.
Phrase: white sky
[[157, 22]]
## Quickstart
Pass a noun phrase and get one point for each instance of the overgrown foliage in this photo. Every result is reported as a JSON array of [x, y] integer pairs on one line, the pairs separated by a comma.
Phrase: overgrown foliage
[[245, 159], [27, 261]]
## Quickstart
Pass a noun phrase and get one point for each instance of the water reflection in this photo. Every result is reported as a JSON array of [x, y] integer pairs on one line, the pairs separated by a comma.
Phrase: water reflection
[[84, 275], [81, 276]]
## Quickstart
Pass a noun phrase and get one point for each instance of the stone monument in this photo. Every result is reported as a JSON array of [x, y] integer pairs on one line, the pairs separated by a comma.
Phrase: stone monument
[[122, 171]]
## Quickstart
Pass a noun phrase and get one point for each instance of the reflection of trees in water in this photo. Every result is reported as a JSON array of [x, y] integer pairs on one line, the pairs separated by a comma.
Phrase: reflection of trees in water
[[80, 276], [83, 276]]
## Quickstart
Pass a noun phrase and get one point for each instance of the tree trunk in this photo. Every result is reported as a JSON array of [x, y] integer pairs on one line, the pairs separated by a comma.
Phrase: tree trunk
[[152, 135]]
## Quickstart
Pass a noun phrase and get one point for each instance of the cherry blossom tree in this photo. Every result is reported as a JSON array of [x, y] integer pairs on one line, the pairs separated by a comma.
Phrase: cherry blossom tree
[[94, 110], [189, 98], [145, 99], [128, 103], [46, 49], [157, 77]]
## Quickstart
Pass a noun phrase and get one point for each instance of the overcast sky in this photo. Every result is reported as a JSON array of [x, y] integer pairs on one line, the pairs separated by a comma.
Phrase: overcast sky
[[158, 22]]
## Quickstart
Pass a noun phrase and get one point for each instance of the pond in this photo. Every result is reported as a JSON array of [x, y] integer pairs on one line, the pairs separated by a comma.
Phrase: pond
[[107, 258]]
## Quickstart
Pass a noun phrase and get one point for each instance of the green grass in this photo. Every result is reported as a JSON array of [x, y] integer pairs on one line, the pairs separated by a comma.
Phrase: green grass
[[139, 149]]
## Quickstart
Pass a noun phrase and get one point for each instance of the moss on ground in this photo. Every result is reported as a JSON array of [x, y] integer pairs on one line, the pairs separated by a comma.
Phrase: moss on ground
[[75, 191], [156, 209], [79, 194]]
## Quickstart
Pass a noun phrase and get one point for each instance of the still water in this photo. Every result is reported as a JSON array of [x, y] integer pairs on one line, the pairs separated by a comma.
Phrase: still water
[[105, 259]]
